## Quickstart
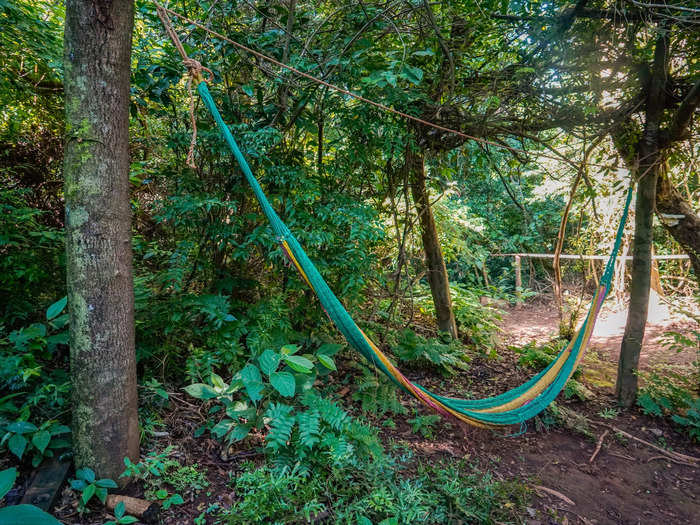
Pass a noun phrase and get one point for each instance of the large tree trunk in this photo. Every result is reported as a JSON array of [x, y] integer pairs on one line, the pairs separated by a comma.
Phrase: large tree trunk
[[437, 272], [98, 234], [685, 230], [649, 163]]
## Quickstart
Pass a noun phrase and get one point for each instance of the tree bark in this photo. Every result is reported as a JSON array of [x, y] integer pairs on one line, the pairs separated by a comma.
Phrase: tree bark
[[649, 163], [686, 230], [437, 271], [98, 234]]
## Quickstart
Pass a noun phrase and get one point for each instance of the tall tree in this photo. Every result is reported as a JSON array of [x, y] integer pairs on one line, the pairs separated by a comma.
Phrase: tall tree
[[434, 261], [98, 233]]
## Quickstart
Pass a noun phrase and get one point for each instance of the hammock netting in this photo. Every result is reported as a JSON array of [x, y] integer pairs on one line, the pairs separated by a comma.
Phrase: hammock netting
[[511, 407]]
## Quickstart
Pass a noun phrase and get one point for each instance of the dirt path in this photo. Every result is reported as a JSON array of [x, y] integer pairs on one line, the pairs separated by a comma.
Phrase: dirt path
[[627, 483]]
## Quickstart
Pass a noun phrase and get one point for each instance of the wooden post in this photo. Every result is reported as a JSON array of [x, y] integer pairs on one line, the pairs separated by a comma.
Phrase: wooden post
[[518, 279]]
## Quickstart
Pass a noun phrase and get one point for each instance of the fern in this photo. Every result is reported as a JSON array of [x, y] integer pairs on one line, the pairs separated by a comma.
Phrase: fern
[[377, 395], [281, 423], [309, 428], [331, 413]]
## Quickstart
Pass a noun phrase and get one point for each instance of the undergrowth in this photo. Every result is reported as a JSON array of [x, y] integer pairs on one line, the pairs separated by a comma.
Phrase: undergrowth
[[379, 491]]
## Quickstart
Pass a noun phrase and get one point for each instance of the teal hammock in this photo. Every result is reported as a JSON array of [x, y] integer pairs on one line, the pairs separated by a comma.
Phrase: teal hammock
[[512, 407]]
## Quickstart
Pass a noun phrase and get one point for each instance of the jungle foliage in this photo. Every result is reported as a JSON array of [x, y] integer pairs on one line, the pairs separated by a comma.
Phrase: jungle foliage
[[220, 313]]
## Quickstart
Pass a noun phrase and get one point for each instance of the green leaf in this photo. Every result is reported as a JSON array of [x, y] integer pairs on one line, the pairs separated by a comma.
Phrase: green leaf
[[248, 90], [329, 349], [21, 427], [222, 428], [119, 509], [239, 433], [412, 74], [41, 440], [424, 53], [88, 493], [56, 308], [101, 494], [17, 445], [176, 499], [7, 479], [201, 391], [327, 361], [161, 494], [86, 473], [218, 382], [78, 484], [106, 483], [299, 364], [289, 349], [252, 382], [269, 361], [284, 383], [128, 519], [26, 514]]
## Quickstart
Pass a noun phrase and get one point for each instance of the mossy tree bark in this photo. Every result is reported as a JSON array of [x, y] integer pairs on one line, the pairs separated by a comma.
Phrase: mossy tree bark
[[648, 162], [437, 271], [98, 233]]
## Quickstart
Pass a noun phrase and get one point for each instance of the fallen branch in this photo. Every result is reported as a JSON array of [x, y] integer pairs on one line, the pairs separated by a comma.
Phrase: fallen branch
[[598, 446], [555, 493], [676, 457]]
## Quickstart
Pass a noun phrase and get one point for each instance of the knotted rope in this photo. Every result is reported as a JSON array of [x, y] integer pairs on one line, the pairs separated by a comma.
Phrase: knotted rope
[[194, 68]]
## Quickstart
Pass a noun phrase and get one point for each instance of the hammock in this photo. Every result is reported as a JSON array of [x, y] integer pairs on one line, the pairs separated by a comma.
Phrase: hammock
[[514, 406]]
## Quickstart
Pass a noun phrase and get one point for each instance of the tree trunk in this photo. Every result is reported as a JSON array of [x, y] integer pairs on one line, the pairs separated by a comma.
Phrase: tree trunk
[[437, 271], [649, 163], [626, 388], [98, 234], [685, 230]]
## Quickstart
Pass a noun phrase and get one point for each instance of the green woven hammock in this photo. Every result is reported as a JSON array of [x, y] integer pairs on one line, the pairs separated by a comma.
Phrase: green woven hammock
[[514, 406]]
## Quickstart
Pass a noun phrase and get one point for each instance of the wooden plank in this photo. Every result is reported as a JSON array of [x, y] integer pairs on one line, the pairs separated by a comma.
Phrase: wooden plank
[[586, 257], [45, 485]]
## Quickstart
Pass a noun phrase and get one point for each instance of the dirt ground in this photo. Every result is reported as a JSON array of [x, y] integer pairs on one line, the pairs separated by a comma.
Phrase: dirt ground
[[625, 482]]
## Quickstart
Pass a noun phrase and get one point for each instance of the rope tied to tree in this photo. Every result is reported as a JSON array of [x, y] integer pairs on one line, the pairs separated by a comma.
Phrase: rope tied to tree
[[194, 68]]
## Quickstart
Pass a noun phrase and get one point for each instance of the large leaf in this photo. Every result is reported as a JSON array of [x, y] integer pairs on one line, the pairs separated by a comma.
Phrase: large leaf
[[327, 361], [41, 440], [17, 445], [7, 479], [26, 515], [284, 383], [299, 363], [269, 361], [88, 493], [239, 433], [56, 308], [21, 427], [201, 391], [252, 381]]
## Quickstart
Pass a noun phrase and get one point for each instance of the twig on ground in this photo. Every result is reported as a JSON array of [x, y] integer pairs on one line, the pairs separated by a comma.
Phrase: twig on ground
[[552, 492], [598, 446], [676, 457]]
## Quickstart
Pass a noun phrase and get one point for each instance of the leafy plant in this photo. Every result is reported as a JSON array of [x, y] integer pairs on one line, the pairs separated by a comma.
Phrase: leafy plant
[[121, 518], [417, 350], [671, 396], [22, 437], [20, 514], [425, 424], [88, 486], [167, 500]]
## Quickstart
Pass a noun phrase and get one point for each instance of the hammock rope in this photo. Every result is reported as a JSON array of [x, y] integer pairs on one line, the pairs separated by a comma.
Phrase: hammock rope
[[512, 407]]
